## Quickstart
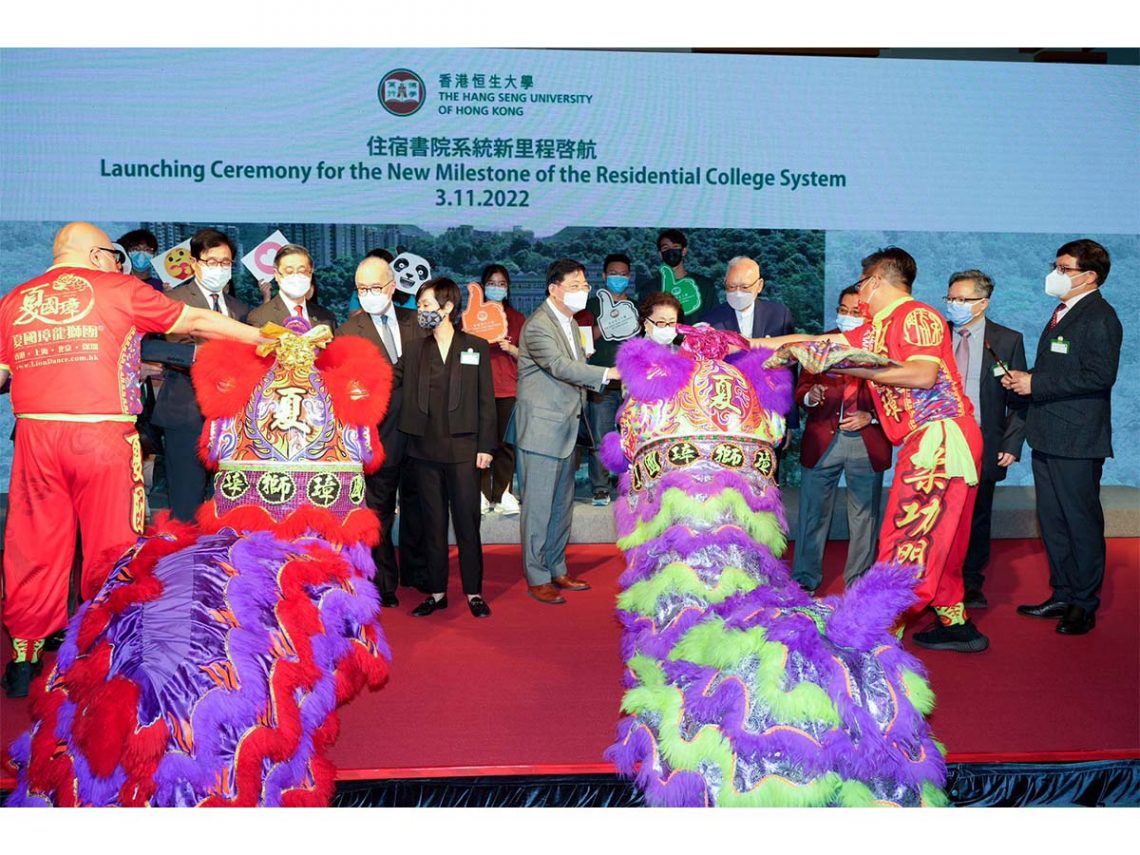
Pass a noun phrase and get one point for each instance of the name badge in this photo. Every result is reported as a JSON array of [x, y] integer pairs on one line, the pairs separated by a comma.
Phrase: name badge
[[999, 371], [469, 357], [1059, 345]]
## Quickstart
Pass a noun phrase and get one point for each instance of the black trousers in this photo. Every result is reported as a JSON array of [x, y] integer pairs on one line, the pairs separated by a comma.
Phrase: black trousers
[[978, 553], [186, 478], [380, 494], [497, 479], [1072, 525], [413, 548], [454, 487]]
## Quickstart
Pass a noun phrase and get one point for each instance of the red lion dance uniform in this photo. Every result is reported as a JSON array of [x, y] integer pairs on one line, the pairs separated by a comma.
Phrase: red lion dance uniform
[[208, 668], [70, 339], [931, 502]]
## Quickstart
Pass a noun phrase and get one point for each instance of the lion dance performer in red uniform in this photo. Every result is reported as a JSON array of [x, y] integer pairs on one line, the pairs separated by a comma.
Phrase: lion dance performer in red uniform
[[69, 339], [924, 410], [208, 668]]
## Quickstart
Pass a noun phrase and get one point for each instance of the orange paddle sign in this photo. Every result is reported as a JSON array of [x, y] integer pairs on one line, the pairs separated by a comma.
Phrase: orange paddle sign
[[485, 319]]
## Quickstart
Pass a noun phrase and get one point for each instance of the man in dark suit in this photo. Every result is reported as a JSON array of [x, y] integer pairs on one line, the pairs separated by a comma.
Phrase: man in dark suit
[[1069, 428], [744, 312], [981, 349], [176, 408], [294, 274], [842, 436], [391, 329]]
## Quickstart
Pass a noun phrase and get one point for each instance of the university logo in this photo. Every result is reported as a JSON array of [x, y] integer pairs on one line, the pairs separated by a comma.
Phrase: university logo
[[401, 92]]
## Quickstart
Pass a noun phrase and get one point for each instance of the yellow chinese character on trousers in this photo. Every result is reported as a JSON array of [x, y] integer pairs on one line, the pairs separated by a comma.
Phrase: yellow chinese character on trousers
[[912, 552], [927, 515], [925, 480]]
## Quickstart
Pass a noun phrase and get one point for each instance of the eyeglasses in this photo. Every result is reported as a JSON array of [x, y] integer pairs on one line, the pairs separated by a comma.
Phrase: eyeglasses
[[963, 301], [365, 290], [585, 286], [745, 287], [119, 256], [215, 263], [851, 313], [661, 324], [1066, 270], [859, 283], [291, 271]]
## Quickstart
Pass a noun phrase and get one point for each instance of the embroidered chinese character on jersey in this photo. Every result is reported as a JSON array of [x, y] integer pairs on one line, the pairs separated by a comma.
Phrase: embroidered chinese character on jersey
[[71, 341]]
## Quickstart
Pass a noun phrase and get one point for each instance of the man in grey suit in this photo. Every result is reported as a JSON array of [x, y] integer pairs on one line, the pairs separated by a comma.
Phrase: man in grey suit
[[553, 379], [176, 408]]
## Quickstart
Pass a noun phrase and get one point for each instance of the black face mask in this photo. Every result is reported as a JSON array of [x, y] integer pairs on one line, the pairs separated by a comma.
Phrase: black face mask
[[429, 319], [672, 257]]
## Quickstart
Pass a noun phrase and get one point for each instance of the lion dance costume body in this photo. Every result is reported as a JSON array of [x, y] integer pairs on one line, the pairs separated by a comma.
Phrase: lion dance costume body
[[208, 669], [740, 688]]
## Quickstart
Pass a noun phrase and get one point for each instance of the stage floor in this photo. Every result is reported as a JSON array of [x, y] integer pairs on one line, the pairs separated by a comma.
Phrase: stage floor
[[535, 689]]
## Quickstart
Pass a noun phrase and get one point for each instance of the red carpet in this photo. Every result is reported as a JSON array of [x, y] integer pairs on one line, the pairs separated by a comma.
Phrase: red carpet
[[535, 689]]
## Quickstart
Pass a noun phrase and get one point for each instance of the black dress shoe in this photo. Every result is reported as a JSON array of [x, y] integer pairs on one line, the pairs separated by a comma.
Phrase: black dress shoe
[[17, 678], [1076, 621], [431, 604], [1051, 608], [975, 599], [479, 607], [388, 601]]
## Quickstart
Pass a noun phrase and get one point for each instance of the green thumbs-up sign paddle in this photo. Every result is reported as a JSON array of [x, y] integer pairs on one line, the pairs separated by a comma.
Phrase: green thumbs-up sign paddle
[[685, 290]]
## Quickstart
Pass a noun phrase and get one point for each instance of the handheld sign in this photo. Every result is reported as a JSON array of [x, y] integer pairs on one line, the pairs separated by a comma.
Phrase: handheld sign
[[616, 320], [485, 319], [173, 266], [685, 290], [259, 260]]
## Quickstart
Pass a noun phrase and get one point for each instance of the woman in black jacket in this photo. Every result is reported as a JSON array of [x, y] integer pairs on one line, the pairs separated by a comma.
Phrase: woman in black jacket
[[449, 416]]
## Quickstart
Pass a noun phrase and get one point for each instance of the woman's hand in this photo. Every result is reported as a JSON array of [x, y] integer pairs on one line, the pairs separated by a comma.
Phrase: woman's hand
[[482, 460]]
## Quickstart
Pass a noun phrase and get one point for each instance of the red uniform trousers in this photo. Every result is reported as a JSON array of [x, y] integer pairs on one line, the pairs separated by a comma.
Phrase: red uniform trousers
[[64, 473], [928, 518]]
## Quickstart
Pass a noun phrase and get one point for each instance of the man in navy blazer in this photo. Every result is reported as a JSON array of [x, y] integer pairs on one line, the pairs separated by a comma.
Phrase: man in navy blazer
[[1069, 427], [745, 313], [176, 408]]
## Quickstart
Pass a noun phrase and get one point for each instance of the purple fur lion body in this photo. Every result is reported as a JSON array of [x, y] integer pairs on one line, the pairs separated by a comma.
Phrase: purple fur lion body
[[740, 688]]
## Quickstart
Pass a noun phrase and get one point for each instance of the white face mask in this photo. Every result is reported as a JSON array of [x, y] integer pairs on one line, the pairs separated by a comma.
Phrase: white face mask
[[662, 335], [1057, 284], [296, 285], [214, 279], [846, 323], [575, 300], [375, 304], [740, 300]]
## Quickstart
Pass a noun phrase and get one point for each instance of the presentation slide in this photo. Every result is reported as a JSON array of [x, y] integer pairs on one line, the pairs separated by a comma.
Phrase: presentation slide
[[468, 157]]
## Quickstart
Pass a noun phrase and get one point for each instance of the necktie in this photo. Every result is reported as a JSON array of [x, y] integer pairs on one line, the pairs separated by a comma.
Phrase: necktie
[[850, 397], [386, 337], [962, 353], [214, 300], [1056, 315], [300, 311]]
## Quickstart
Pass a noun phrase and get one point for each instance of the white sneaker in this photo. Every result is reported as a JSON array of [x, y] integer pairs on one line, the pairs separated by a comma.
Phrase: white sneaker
[[485, 507], [508, 504]]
